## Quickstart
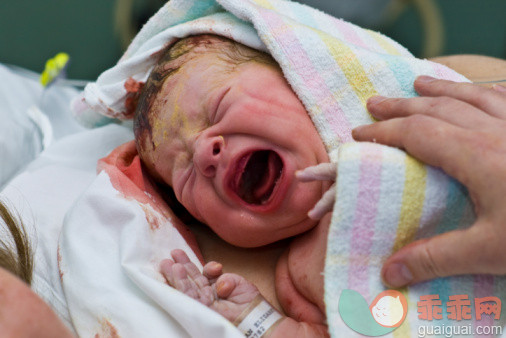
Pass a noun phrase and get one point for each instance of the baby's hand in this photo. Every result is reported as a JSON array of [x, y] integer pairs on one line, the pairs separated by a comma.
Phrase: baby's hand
[[321, 172], [228, 294]]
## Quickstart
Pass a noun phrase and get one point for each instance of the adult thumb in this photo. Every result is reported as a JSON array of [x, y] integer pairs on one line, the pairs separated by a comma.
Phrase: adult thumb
[[453, 253]]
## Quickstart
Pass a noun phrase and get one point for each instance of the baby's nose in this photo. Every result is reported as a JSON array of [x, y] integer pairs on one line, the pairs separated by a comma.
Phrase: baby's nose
[[207, 154]]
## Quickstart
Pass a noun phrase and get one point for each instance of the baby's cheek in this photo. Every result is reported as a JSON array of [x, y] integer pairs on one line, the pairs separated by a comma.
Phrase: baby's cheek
[[307, 195]]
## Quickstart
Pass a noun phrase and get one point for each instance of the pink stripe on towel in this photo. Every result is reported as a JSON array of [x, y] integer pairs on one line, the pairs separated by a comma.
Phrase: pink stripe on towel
[[293, 49], [365, 219], [349, 34]]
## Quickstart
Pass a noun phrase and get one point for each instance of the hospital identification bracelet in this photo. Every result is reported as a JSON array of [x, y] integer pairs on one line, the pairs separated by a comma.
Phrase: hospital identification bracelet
[[258, 318]]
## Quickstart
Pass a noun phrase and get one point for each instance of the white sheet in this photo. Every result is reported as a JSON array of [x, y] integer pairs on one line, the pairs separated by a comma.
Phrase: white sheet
[[109, 257], [110, 254], [44, 192]]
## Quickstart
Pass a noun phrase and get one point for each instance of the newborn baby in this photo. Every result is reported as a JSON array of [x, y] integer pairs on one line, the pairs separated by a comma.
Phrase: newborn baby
[[218, 122]]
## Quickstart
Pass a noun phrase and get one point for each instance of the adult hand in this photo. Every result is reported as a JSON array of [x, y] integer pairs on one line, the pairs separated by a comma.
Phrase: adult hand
[[461, 128]]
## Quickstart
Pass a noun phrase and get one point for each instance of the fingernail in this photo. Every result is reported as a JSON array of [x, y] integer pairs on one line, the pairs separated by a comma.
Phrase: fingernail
[[499, 88], [375, 100], [221, 286], [355, 132], [425, 79], [397, 275]]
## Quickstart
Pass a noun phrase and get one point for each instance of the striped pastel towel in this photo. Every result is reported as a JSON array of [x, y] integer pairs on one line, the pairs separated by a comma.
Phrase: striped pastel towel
[[385, 198]]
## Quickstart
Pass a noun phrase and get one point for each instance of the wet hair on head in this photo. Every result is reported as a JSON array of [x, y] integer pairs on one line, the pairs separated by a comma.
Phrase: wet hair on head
[[173, 57]]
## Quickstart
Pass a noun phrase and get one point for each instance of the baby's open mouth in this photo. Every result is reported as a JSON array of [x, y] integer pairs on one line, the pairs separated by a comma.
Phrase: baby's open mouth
[[257, 174]]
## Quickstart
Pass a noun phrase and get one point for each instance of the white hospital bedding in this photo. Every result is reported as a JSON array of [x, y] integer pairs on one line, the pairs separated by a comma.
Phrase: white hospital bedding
[[110, 280], [20, 136]]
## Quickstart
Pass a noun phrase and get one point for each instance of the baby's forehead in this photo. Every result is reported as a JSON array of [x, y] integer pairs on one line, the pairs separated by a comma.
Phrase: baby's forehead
[[184, 102], [194, 83]]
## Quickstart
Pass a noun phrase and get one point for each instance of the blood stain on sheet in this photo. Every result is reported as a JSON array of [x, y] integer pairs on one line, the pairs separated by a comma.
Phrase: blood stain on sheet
[[60, 270], [107, 330], [152, 217]]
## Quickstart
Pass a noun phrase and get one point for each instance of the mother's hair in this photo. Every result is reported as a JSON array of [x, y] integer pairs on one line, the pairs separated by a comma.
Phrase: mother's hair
[[16, 255]]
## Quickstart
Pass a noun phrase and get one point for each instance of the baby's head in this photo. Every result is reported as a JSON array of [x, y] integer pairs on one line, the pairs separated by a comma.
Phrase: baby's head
[[218, 122]]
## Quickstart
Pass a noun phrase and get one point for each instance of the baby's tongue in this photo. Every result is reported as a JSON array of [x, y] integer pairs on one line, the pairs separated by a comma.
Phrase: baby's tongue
[[259, 176], [268, 179]]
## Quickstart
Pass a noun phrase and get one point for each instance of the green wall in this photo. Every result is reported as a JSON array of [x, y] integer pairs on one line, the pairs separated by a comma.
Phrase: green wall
[[470, 26], [31, 31]]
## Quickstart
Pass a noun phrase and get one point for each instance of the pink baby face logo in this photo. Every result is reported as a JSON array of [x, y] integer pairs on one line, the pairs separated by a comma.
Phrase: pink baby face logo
[[386, 312], [389, 308]]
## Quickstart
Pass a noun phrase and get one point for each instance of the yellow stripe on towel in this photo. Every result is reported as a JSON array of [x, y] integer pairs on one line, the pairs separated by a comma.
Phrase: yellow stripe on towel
[[264, 3], [384, 43], [412, 202], [350, 66]]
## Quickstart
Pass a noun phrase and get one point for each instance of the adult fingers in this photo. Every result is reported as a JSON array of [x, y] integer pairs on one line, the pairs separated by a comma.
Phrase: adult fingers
[[492, 102], [499, 88], [445, 108], [447, 254], [423, 136]]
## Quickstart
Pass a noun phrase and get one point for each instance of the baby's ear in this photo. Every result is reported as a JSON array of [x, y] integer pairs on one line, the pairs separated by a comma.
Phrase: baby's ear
[[134, 89]]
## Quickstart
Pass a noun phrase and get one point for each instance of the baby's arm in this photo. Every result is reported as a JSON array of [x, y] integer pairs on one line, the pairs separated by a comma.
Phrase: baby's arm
[[235, 298]]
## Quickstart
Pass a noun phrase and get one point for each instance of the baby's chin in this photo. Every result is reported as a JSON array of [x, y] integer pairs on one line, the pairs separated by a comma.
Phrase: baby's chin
[[262, 233], [251, 229]]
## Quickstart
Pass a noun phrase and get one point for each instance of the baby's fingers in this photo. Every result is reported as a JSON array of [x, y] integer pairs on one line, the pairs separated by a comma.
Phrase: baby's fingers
[[174, 273], [193, 272], [320, 172], [183, 283], [177, 276], [166, 270], [324, 205], [225, 285], [179, 256], [213, 270]]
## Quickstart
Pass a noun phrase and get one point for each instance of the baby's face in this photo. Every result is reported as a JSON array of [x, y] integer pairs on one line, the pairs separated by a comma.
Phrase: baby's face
[[229, 143]]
